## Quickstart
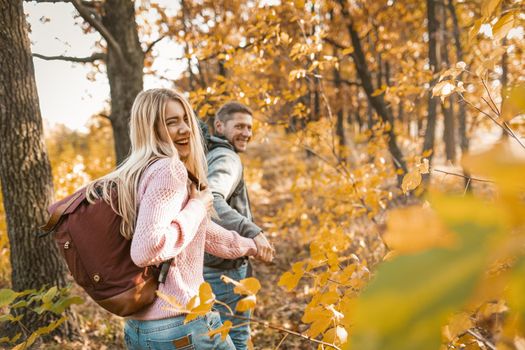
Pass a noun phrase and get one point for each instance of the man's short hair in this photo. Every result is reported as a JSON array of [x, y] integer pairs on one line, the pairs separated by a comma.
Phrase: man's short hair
[[228, 109]]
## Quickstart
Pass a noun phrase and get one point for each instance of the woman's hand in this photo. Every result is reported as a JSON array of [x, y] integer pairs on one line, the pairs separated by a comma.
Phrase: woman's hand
[[205, 196]]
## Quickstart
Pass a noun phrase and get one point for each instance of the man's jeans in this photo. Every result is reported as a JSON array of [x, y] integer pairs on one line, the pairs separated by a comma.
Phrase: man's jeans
[[224, 292], [172, 333]]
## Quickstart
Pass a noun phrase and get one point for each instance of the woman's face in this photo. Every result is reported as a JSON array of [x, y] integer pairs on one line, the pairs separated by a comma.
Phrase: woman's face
[[177, 124]]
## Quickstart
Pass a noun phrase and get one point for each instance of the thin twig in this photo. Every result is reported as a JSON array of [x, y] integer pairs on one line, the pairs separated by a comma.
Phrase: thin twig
[[467, 186], [481, 339], [282, 340], [490, 106], [461, 175], [225, 305], [504, 127], [490, 96], [278, 328]]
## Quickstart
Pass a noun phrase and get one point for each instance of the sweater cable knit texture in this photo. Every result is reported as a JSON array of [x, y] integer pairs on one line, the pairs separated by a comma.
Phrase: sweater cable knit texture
[[171, 225]]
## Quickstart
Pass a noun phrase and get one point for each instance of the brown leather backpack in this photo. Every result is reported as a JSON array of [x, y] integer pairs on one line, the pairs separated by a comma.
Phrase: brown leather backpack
[[98, 256]]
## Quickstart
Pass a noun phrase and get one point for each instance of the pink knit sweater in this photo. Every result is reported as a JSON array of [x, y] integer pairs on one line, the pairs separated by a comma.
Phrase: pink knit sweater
[[170, 225]]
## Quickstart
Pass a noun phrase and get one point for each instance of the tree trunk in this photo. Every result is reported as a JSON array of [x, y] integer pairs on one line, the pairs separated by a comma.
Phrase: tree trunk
[[25, 172], [449, 130], [125, 78], [377, 102], [462, 110], [340, 128], [430, 132]]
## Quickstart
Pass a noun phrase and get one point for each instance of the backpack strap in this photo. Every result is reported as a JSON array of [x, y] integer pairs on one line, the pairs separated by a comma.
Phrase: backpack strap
[[57, 215]]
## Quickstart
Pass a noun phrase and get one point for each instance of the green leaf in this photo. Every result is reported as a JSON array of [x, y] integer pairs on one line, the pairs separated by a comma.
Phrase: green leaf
[[19, 304], [64, 303], [50, 294], [7, 296], [419, 292], [11, 318], [39, 332]]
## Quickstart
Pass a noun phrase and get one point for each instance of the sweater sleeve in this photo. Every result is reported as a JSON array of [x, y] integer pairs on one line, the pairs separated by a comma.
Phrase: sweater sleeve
[[164, 227], [227, 244]]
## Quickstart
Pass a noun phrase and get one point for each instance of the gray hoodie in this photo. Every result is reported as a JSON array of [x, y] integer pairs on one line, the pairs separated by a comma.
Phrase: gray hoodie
[[230, 196]]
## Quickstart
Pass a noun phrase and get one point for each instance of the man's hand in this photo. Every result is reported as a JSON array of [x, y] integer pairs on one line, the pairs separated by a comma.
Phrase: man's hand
[[265, 250]]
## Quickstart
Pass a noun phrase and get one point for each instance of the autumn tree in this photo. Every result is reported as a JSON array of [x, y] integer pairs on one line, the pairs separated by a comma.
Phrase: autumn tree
[[25, 173], [122, 54]]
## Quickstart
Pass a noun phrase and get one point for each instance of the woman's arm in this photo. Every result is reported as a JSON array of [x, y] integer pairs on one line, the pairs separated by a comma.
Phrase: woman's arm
[[227, 244], [162, 229]]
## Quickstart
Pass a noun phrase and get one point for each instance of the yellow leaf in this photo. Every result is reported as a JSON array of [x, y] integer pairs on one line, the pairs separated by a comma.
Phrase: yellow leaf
[[201, 304], [170, 299], [246, 303], [248, 286], [289, 280], [425, 230], [427, 153], [473, 32], [379, 91], [411, 181], [336, 335], [312, 313], [459, 324], [222, 330], [424, 166], [329, 298], [514, 103], [348, 51], [206, 294], [488, 7], [317, 327], [503, 26]]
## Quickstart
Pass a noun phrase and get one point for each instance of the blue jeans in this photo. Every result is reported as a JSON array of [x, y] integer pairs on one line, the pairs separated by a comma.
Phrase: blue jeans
[[224, 292], [172, 333]]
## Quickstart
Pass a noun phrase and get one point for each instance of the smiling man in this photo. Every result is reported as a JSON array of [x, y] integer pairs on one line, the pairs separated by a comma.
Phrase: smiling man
[[233, 130]]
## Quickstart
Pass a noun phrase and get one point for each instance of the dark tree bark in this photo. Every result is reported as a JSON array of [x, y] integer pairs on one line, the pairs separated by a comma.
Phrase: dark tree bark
[[25, 172], [430, 132], [125, 78], [377, 102], [449, 130], [462, 110], [340, 127]]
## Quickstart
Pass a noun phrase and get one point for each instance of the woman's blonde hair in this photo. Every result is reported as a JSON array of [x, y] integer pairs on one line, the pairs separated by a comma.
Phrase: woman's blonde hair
[[147, 114]]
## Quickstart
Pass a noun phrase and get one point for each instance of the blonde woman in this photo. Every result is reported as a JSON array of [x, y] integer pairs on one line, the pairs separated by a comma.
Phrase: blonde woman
[[167, 218]]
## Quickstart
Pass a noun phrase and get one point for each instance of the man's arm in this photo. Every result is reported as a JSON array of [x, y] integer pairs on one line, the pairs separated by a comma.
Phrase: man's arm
[[224, 174]]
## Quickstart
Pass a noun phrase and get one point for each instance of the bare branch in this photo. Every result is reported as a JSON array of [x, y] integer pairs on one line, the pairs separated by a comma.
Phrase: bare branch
[[470, 178], [86, 14], [90, 59], [335, 43], [150, 46], [281, 329]]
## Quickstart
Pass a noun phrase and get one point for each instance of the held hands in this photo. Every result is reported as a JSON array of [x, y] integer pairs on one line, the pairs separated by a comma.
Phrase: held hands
[[204, 196], [265, 251]]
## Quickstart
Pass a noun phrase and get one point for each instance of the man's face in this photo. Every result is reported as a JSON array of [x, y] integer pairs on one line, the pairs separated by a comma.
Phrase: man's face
[[238, 130]]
